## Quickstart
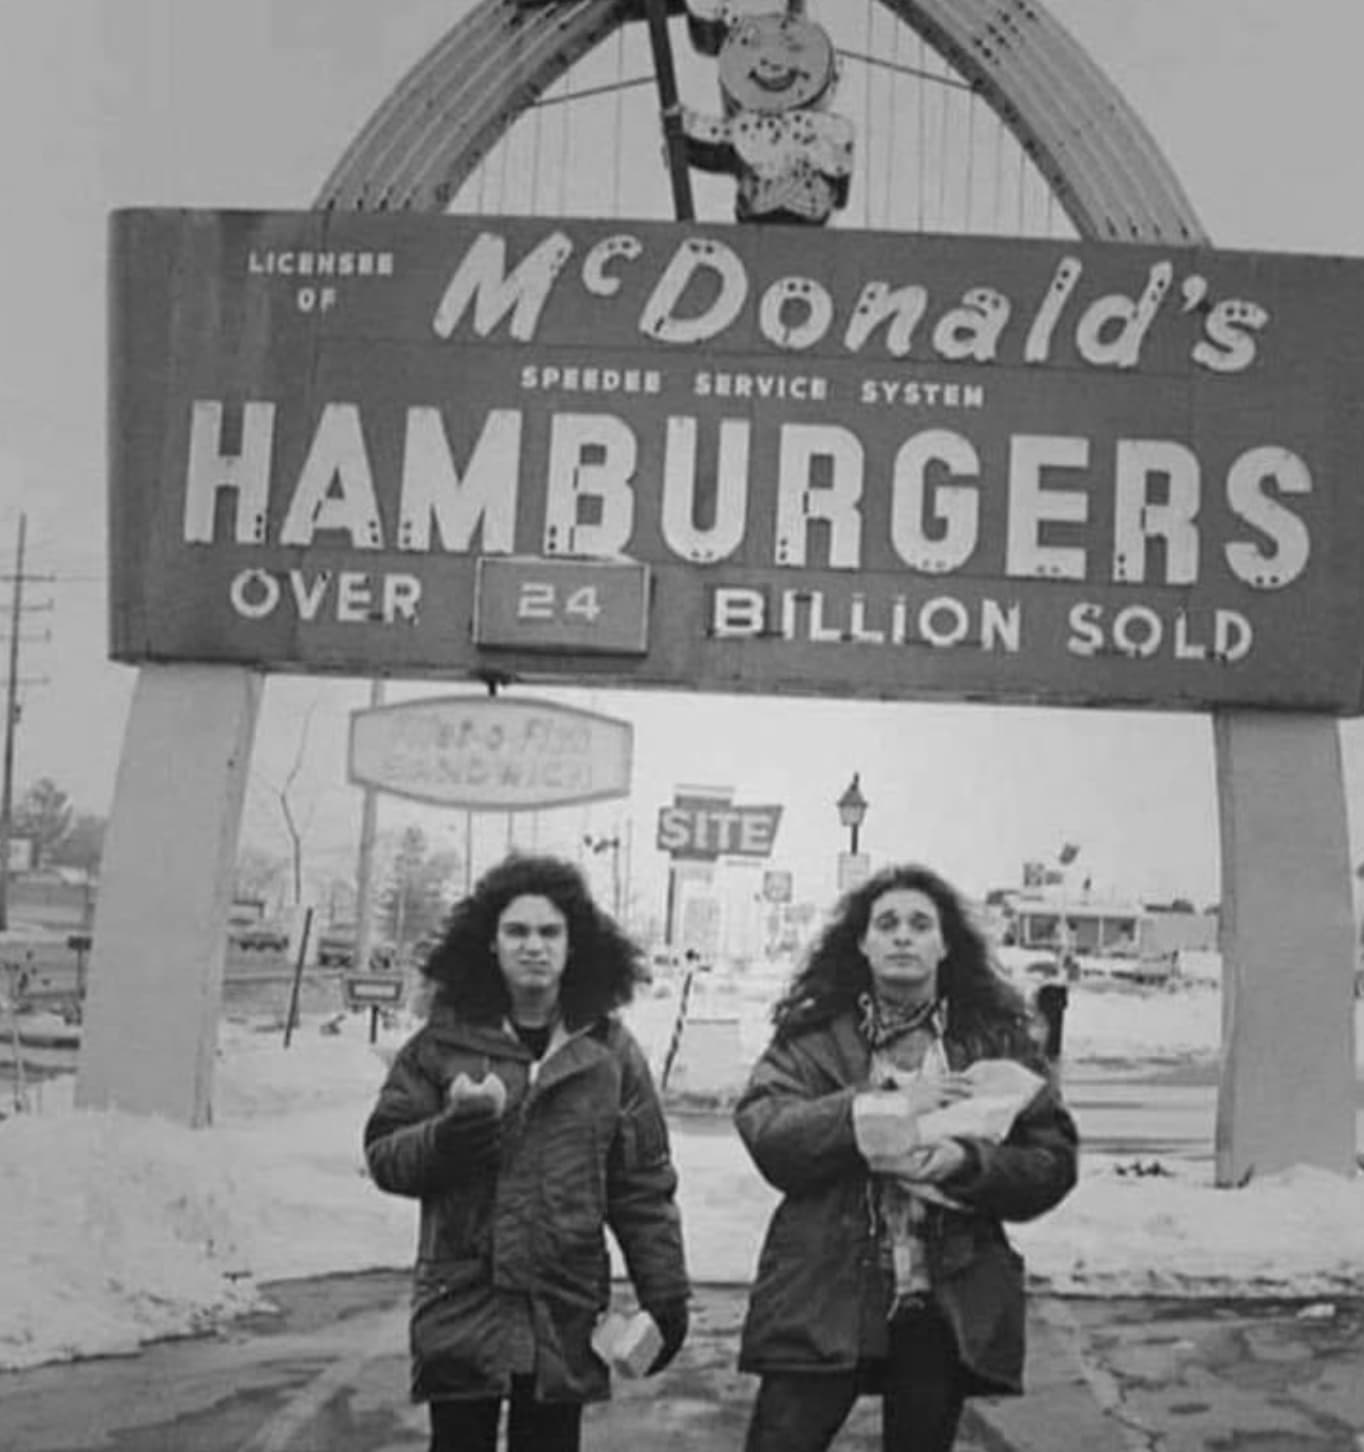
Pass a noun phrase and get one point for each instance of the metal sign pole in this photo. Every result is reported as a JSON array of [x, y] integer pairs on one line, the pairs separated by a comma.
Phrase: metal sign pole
[[364, 867], [674, 136], [298, 975]]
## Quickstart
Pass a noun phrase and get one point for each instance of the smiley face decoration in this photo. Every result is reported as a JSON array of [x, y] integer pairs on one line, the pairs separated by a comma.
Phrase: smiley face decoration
[[791, 156]]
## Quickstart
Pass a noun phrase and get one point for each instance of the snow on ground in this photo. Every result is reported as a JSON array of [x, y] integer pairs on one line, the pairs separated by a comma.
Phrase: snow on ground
[[120, 1229], [1100, 1023]]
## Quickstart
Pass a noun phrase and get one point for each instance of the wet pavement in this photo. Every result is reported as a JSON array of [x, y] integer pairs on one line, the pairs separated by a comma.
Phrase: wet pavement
[[327, 1372]]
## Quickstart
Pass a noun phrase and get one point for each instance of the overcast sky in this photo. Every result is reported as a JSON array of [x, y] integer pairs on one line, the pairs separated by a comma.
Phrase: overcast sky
[[186, 102]]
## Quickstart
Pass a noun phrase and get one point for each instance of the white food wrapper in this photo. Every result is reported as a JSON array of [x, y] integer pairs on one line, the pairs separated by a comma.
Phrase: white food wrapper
[[893, 1141], [627, 1344], [1000, 1091]]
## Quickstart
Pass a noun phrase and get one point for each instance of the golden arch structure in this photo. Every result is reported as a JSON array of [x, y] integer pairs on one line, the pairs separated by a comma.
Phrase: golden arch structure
[[1287, 1085]]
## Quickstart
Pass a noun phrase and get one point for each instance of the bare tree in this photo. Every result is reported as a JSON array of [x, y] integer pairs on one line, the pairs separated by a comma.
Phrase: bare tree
[[296, 819]]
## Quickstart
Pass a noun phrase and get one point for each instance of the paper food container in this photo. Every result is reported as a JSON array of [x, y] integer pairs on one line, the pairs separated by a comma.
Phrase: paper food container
[[628, 1344]]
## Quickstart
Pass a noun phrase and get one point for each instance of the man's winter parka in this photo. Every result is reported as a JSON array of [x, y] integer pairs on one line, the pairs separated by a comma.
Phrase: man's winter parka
[[820, 1296], [584, 1145]]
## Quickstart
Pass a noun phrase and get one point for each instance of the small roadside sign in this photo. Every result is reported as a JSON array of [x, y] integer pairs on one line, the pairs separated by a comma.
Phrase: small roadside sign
[[854, 868], [778, 885], [374, 991], [376, 988]]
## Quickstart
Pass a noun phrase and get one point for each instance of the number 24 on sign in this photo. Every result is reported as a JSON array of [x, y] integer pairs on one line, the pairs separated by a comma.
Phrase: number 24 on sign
[[542, 600]]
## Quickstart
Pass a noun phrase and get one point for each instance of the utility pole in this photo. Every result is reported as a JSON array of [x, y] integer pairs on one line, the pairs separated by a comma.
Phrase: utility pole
[[11, 707], [364, 868], [12, 684]]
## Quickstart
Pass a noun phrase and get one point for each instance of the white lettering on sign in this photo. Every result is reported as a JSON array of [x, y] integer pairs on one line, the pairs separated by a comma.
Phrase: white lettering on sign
[[703, 289], [800, 503], [921, 393], [1111, 331], [1140, 631], [743, 612], [304, 262], [717, 829], [431, 486], [1137, 519], [589, 378], [576, 438], [1246, 493], [954, 508], [349, 597], [596, 279], [481, 279], [541, 600], [245, 474], [336, 487], [970, 333], [681, 533], [433, 489], [1031, 505], [728, 279], [795, 313], [804, 388], [591, 468]]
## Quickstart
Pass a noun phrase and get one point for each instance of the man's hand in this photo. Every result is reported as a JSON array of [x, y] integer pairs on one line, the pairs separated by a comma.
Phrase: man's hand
[[469, 1133], [672, 1320], [935, 1162], [886, 1120]]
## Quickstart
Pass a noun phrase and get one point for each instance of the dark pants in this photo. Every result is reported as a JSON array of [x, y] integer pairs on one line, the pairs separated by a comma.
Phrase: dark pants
[[924, 1391], [531, 1426]]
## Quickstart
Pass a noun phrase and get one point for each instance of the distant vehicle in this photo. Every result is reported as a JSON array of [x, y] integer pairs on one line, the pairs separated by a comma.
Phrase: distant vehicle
[[336, 948], [259, 938], [421, 950], [664, 960], [1044, 968]]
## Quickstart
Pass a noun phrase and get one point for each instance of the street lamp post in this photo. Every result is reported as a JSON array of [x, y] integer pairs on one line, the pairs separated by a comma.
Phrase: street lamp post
[[612, 845], [852, 808], [1068, 853]]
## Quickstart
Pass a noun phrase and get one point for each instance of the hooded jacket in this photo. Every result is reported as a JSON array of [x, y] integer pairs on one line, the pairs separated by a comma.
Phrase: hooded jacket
[[584, 1145], [820, 1295]]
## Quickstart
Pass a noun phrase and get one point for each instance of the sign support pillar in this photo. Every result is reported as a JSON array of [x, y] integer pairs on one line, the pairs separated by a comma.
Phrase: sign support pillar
[[1287, 1090], [160, 933]]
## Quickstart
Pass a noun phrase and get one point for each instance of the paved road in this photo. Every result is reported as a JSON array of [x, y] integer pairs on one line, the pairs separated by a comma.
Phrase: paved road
[[327, 1373], [1125, 1111]]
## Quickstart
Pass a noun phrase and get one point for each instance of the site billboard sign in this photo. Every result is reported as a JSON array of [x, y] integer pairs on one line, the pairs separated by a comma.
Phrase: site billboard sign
[[774, 459], [703, 829]]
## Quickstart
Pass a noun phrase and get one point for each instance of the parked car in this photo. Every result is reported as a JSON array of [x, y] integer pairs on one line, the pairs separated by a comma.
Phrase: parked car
[[336, 948], [259, 937]]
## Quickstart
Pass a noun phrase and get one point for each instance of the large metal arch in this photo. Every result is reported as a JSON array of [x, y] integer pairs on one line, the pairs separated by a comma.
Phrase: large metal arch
[[1283, 1096], [1287, 1084], [457, 102]]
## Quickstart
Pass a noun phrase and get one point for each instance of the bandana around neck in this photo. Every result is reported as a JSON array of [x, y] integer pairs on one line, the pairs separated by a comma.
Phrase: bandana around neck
[[884, 1022]]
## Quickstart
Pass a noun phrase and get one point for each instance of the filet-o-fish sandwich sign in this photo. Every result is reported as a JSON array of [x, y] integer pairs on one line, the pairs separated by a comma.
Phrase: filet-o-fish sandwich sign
[[769, 459]]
